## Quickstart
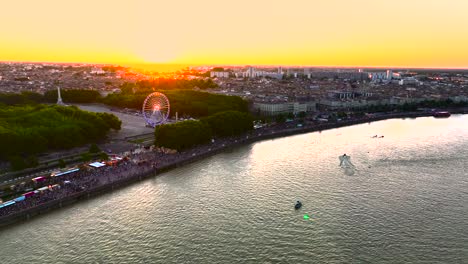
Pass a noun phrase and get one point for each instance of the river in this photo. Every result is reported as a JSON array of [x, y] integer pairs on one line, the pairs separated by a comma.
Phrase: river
[[406, 201]]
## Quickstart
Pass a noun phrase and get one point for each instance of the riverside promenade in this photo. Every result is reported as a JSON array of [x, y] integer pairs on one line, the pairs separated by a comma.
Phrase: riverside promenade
[[86, 184]]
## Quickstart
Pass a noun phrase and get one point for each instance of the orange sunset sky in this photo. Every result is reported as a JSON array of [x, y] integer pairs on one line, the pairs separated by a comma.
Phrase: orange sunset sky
[[400, 33]]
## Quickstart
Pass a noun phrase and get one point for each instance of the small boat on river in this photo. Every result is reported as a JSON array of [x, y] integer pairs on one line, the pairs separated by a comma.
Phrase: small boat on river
[[441, 114], [298, 205]]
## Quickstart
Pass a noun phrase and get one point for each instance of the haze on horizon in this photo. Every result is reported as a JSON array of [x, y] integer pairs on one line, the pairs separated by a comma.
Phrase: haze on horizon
[[398, 33]]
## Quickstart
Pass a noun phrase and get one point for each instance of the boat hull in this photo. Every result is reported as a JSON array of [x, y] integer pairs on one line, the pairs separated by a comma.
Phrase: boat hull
[[441, 114]]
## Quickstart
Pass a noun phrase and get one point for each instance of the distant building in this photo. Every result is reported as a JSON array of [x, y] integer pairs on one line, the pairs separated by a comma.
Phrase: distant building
[[253, 73], [349, 75], [277, 108], [341, 94], [378, 76], [97, 71], [222, 74], [389, 74], [272, 75], [335, 104], [409, 81], [459, 98], [307, 73], [386, 76], [271, 109]]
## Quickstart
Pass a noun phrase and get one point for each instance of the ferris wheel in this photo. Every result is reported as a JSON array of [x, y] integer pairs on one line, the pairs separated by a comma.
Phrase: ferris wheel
[[155, 109]]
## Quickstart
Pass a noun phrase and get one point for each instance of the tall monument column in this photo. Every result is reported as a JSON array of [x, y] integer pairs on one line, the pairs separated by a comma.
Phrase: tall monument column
[[59, 97]]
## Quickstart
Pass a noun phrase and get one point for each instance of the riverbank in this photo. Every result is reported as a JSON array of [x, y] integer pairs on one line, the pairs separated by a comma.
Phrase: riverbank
[[137, 173]]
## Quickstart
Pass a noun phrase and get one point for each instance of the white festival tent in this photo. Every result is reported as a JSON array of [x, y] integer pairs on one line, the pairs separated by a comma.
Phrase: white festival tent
[[97, 164]]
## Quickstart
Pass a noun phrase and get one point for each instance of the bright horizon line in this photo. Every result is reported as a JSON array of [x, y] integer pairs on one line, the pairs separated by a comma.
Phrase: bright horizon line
[[134, 64]]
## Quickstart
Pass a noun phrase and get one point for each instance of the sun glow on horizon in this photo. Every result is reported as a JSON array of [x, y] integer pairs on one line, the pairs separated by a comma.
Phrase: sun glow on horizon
[[398, 33]]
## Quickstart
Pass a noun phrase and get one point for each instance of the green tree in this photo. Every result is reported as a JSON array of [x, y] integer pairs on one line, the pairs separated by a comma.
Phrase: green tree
[[182, 135], [27, 130], [127, 88], [185, 102], [94, 148], [85, 157], [229, 123], [103, 156], [20, 99], [31, 161], [17, 163], [62, 163], [73, 96]]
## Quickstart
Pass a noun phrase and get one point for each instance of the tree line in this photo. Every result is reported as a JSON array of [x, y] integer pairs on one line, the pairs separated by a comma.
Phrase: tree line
[[69, 95], [31, 129], [184, 102], [187, 134]]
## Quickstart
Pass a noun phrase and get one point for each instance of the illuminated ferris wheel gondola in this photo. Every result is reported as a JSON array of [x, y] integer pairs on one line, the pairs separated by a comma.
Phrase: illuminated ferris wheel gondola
[[156, 109]]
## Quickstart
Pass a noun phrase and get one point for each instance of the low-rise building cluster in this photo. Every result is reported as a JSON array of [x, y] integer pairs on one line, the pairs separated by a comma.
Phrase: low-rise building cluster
[[310, 89], [41, 77], [271, 90]]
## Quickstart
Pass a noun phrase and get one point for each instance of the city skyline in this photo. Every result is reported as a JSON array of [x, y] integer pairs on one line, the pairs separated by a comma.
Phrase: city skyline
[[420, 34]]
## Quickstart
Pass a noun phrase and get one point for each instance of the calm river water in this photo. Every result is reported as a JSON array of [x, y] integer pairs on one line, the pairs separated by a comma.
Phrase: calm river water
[[406, 201]]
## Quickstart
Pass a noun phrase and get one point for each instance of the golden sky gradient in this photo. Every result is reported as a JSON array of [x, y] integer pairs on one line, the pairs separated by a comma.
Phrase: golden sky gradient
[[405, 33]]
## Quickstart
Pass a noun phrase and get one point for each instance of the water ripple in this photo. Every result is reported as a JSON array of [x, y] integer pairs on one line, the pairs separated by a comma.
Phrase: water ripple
[[406, 202]]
